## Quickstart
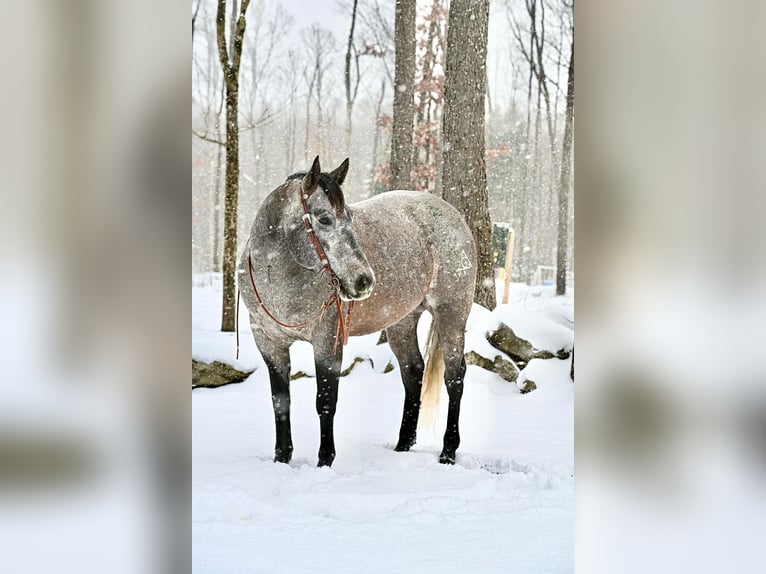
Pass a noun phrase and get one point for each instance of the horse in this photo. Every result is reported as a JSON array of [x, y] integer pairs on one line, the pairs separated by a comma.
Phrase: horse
[[318, 270]]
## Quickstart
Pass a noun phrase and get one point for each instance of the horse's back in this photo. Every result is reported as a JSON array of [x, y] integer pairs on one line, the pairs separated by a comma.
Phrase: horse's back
[[422, 253]]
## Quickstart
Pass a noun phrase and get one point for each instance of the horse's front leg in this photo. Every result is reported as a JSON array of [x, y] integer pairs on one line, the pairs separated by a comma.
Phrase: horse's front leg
[[328, 365], [278, 362]]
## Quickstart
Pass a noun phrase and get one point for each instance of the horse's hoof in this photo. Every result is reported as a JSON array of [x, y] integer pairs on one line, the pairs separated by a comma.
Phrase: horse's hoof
[[446, 458], [326, 460], [283, 456], [404, 445]]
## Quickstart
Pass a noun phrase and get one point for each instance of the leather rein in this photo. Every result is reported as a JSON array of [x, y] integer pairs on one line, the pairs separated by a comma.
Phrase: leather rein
[[342, 327]]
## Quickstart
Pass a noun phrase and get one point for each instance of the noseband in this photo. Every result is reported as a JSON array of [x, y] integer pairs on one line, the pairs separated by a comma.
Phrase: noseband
[[342, 327]]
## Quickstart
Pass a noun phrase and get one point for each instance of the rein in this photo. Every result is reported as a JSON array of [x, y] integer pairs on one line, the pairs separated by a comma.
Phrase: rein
[[342, 328]]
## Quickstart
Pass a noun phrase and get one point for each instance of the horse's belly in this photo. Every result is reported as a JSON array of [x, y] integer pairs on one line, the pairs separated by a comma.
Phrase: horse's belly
[[399, 290], [368, 316]]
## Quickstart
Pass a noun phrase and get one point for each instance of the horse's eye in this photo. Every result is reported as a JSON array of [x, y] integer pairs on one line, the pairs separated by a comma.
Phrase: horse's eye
[[324, 220]]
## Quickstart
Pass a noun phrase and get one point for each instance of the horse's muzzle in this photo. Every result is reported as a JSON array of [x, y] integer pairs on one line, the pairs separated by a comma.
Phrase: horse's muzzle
[[361, 289]]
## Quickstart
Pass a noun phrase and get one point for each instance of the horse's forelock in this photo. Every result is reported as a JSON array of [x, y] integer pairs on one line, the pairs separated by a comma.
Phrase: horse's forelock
[[330, 187]]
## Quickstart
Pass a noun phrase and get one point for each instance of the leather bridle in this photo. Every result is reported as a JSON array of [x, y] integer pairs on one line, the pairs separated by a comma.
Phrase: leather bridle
[[342, 327]]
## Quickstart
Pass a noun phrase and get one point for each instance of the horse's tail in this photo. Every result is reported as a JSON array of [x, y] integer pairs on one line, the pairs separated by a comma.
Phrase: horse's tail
[[433, 377]]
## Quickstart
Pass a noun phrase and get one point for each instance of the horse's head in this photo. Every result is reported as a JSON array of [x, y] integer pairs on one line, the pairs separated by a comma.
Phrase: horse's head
[[333, 227]]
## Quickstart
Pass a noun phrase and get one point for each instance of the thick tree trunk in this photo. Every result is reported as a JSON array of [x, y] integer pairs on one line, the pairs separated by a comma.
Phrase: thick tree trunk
[[566, 159], [230, 213], [404, 80], [464, 176]]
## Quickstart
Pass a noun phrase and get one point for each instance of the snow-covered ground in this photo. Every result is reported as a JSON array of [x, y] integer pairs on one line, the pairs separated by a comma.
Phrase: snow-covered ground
[[506, 506]]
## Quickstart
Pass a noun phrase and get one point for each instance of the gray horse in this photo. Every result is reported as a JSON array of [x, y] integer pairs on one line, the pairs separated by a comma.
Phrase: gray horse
[[317, 270]]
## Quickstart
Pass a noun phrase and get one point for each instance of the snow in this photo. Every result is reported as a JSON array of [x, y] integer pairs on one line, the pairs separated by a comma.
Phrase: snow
[[506, 506]]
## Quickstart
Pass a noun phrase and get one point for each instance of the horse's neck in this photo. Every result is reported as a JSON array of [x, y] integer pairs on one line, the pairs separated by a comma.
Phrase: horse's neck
[[275, 268]]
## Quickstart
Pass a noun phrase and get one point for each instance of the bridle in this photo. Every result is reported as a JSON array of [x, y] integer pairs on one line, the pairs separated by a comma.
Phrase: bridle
[[342, 327]]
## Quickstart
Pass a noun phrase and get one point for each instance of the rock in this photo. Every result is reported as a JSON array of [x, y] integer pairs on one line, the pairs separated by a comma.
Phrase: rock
[[350, 368], [503, 367], [215, 374], [343, 373], [526, 386], [520, 350]]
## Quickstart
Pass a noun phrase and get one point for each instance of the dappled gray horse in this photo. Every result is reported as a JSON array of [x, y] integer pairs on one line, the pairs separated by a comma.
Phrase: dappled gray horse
[[317, 270]]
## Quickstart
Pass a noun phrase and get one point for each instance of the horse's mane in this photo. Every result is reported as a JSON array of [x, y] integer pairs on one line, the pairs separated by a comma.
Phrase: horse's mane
[[331, 188]]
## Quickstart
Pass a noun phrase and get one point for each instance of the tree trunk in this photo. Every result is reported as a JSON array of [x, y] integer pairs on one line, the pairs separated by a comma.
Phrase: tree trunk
[[566, 158], [230, 212], [464, 177], [347, 78], [230, 69], [404, 80]]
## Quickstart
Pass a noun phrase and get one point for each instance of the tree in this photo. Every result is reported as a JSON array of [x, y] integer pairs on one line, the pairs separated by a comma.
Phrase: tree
[[566, 158], [319, 44], [350, 97], [429, 92], [209, 96], [271, 24], [464, 176], [404, 80], [230, 68]]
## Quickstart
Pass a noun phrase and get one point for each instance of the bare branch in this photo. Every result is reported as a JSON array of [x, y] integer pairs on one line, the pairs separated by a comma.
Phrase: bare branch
[[207, 138], [194, 18]]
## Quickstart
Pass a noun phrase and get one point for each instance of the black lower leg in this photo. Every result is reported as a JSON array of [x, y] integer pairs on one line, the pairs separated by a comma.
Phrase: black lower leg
[[327, 399], [280, 400], [452, 434], [412, 376]]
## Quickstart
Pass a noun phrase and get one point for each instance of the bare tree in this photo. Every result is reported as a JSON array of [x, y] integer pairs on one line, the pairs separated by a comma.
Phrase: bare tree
[[404, 80], [378, 34], [566, 158], [525, 187], [350, 97], [194, 18], [429, 91], [534, 41], [230, 67], [209, 97], [264, 37], [464, 176], [291, 75], [319, 43], [376, 136]]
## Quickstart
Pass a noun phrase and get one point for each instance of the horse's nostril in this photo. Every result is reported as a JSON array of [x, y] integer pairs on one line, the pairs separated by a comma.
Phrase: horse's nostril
[[363, 283]]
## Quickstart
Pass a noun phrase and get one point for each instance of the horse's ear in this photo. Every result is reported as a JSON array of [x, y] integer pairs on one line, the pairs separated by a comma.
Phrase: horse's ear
[[311, 179], [339, 174]]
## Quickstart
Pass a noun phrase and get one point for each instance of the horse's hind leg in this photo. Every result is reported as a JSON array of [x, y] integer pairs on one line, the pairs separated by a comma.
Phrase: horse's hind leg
[[403, 339], [451, 329]]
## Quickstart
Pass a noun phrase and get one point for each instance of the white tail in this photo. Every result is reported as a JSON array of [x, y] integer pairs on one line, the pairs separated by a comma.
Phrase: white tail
[[433, 379]]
